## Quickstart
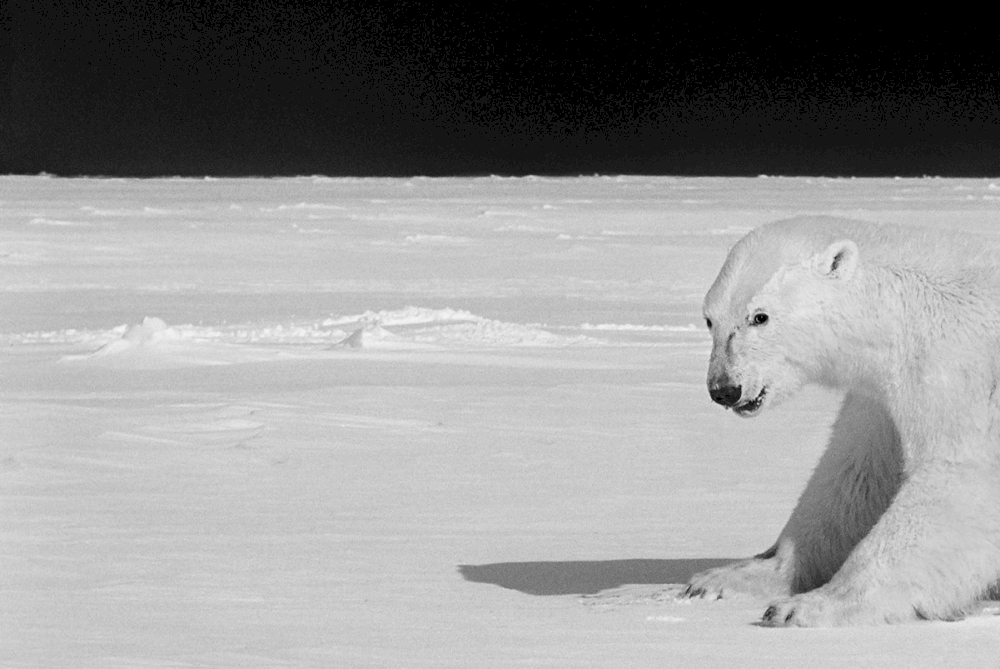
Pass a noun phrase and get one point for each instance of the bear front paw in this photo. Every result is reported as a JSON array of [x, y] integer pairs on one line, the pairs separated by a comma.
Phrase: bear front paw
[[754, 577], [823, 609], [796, 612]]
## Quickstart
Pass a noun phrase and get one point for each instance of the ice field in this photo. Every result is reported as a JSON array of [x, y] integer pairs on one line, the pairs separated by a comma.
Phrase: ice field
[[403, 423]]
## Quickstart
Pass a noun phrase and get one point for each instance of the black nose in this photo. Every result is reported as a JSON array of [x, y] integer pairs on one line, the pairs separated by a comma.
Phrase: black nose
[[727, 396]]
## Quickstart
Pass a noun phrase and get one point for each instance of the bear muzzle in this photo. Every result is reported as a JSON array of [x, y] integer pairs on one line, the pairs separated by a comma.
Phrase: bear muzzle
[[725, 394]]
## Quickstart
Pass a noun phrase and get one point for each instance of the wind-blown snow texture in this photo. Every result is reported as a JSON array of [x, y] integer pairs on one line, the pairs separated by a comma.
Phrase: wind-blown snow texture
[[449, 422]]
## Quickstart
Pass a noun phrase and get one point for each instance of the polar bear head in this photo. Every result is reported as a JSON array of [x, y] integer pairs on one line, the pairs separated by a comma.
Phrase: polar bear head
[[772, 310]]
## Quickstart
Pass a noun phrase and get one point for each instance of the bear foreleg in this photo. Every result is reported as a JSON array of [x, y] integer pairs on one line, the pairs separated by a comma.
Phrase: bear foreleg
[[848, 491], [932, 555]]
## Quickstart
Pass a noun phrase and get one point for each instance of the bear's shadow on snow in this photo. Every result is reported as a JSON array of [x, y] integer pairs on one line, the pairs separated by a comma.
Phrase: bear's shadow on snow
[[581, 577]]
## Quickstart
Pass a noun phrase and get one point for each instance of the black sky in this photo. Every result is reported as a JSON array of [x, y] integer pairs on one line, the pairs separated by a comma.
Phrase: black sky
[[229, 88]]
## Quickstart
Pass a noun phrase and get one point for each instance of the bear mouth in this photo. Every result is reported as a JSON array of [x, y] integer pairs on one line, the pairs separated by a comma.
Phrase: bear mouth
[[753, 406]]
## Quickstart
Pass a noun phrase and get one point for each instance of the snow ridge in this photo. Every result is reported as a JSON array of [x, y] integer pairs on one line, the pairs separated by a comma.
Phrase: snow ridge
[[152, 343]]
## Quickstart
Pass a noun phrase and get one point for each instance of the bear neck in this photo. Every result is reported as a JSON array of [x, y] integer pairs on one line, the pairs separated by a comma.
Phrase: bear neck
[[908, 337]]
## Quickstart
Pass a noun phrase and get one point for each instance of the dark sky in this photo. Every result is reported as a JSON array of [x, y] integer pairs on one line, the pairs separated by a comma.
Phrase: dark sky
[[237, 88]]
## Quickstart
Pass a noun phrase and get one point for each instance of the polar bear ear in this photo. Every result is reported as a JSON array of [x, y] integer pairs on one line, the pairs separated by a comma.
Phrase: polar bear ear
[[838, 261]]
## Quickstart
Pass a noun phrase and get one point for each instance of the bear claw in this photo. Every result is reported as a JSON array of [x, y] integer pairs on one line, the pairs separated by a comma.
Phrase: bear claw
[[772, 614]]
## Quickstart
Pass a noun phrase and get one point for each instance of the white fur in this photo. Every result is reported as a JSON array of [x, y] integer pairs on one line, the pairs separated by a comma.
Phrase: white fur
[[901, 518]]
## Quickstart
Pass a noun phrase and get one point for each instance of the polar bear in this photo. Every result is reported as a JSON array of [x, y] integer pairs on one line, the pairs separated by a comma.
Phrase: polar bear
[[901, 518]]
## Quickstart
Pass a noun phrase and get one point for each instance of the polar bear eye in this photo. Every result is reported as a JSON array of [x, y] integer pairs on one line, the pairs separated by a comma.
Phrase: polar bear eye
[[760, 318], [708, 322]]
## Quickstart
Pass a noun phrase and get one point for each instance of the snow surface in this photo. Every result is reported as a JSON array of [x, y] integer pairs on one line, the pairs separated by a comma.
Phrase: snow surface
[[402, 423]]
